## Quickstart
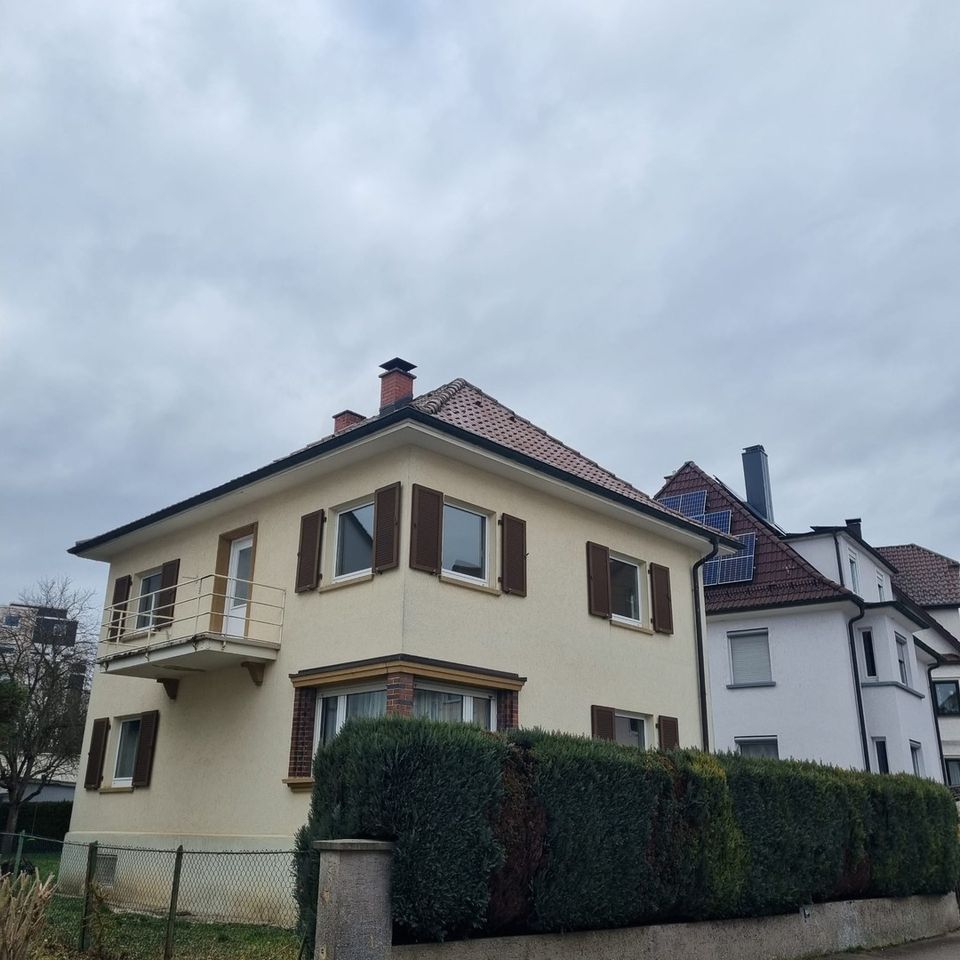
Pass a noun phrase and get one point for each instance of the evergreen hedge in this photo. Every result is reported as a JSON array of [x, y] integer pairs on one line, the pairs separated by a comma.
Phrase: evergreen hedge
[[533, 831]]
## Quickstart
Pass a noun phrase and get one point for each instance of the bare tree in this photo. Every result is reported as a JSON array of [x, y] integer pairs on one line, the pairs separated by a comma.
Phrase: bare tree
[[46, 653]]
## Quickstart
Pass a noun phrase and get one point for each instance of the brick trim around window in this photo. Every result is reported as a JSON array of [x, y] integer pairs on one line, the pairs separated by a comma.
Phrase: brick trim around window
[[399, 694], [508, 709], [301, 735]]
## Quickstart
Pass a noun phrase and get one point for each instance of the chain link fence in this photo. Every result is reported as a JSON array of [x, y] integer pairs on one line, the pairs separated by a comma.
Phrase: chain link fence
[[109, 892]]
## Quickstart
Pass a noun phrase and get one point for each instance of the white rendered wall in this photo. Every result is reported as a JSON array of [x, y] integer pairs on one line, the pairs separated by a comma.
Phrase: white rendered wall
[[812, 707]]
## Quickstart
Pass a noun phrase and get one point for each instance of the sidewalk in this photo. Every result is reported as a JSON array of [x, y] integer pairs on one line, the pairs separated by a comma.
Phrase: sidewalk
[[938, 948]]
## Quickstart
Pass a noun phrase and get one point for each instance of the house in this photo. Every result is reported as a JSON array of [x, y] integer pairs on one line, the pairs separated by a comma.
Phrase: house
[[811, 655], [443, 558], [933, 581]]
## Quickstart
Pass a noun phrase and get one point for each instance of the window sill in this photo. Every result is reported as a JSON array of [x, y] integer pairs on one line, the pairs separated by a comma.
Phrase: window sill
[[628, 625], [470, 585], [346, 582], [116, 790], [747, 686], [299, 784], [893, 683]]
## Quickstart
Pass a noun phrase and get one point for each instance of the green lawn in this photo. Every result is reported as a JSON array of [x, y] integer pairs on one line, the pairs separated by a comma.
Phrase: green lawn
[[131, 936]]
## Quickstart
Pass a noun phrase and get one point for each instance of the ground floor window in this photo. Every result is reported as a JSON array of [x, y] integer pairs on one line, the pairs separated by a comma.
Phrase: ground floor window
[[455, 706], [337, 707], [127, 744], [880, 746], [916, 756], [767, 747], [953, 771], [630, 729]]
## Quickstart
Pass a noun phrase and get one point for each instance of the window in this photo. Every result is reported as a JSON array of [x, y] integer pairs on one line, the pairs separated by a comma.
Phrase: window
[[355, 541], [629, 730], [11, 620], [336, 708], [464, 552], [625, 601], [854, 573], [750, 657], [916, 755], [902, 660], [880, 748], [869, 658], [766, 747], [455, 706], [953, 771], [127, 744], [881, 588], [947, 693], [149, 587]]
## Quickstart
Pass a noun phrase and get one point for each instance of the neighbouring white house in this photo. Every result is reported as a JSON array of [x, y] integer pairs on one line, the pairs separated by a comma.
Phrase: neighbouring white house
[[444, 557], [933, 581], [812, 655]]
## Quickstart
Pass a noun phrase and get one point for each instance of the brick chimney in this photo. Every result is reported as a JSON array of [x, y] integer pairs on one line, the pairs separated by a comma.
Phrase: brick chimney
[[345, 419], [396, 384]]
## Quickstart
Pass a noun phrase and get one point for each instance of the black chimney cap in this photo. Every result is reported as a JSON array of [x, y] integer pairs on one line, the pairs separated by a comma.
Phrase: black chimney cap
[[397, 364]]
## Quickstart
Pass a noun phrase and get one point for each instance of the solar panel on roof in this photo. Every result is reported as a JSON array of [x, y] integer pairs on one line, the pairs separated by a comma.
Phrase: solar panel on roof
[[693, 504], [738, 568], [719, 520], [671, 503]]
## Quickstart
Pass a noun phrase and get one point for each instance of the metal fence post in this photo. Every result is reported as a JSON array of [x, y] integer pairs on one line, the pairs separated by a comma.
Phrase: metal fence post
[[87, 884], [172, 915], [18, 856]]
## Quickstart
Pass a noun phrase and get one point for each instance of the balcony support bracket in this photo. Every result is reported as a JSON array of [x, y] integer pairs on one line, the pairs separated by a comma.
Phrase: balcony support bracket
[[170, 687], [255, 670]]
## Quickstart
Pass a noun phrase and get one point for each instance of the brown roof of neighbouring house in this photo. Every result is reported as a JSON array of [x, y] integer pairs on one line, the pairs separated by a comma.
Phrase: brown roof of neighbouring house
[[930, 578], [781, 576]]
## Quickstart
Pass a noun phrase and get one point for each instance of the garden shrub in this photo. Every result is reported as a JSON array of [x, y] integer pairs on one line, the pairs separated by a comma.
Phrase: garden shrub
[[436, 790], [535, 831]]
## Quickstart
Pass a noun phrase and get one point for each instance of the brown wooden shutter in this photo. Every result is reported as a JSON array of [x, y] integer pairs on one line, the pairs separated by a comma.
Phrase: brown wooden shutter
[[661, 600], [167, 596], [602, 722], [668, 733], [513, 555], [143, 765], [386, 528], [121, 594], [308, 559], [598, 580], [426, 529], [96, 754], [302, 732]]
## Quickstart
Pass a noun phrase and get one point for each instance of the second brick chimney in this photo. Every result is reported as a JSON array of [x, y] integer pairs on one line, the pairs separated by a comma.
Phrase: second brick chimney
[[396, 384], [345, 419]]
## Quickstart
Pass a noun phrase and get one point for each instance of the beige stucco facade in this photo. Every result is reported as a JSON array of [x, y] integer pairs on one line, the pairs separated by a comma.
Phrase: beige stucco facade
[[222, 746]]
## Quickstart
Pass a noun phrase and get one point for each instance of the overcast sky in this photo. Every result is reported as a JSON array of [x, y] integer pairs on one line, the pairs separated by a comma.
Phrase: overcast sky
[[660, 230]]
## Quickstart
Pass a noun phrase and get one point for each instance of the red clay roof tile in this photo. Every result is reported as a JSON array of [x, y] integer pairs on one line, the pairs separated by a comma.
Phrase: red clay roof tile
[[931, 579]]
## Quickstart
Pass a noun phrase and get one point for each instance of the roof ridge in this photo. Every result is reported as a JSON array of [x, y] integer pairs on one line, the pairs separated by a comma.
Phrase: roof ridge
[[522, 419], [433, 400], [917, 546]]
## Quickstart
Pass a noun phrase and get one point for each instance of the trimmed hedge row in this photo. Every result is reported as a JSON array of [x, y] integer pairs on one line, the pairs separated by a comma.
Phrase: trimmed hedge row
[[532, 831]]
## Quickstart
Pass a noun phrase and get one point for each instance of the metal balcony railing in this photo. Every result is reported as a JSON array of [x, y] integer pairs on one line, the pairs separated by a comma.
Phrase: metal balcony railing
[[210, 605]]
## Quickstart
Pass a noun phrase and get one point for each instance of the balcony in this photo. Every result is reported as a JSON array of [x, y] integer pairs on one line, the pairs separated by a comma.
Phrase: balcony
[[203, 624]]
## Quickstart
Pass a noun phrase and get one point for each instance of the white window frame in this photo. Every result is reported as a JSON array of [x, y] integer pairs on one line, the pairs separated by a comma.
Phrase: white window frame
[[903, 666], [886, 753], [739, 741], [465, 692], [853, 564], [338, 512], [916, 758], [487, 542], [863, 650], [340, 694], [153, 595], [121, 723], [947, 761], [645, 721], [881, 588], [733, 635], [641, 568]]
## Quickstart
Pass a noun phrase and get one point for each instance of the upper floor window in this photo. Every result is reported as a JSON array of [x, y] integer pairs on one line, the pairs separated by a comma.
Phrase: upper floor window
[[11, 620], [881, 588], [947, 693], [880, 747], [354, 549], [464, 551], [869, 657], [916, 756], [625, 598], [854, 572], [767, 747], [750, 657], [953, 771], [902, 660], [149, 591]]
